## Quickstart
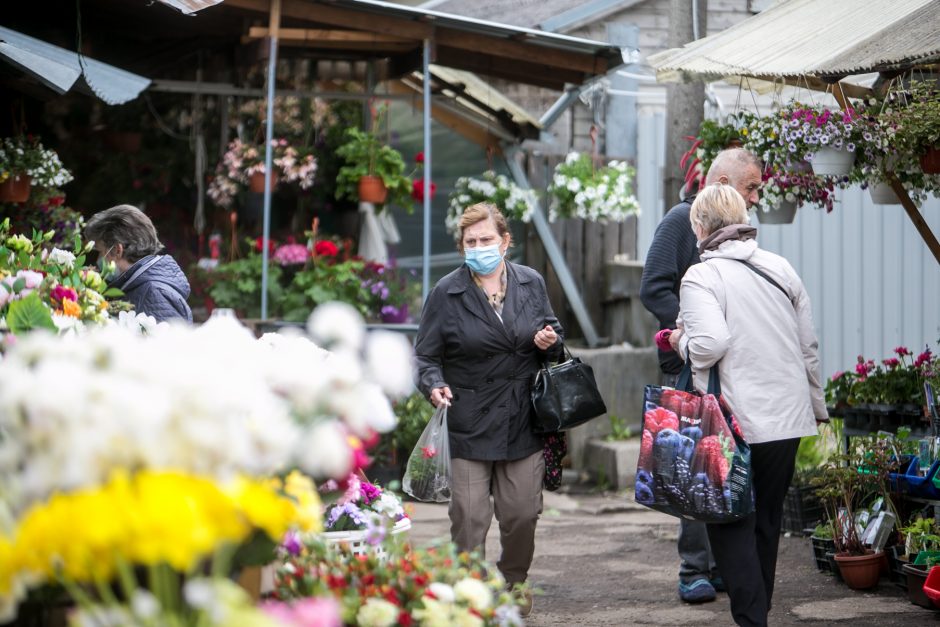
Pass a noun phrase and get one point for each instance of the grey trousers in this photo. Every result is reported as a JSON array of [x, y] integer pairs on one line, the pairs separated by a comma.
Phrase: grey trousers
[[511, 489], [696, 561]]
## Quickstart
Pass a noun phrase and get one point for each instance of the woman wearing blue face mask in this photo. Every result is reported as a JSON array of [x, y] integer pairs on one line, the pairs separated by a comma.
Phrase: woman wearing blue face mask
[[484, 331]]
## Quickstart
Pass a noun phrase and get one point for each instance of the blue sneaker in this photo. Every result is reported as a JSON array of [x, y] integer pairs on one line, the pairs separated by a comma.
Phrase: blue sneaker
[[698, 591], [718, 584]]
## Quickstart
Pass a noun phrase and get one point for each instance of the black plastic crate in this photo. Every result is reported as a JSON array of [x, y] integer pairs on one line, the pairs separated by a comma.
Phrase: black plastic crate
[[822, 546], [802, 509]]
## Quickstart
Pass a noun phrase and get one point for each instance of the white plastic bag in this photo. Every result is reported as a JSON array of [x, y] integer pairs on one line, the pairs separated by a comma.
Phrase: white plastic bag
[[427, 475]]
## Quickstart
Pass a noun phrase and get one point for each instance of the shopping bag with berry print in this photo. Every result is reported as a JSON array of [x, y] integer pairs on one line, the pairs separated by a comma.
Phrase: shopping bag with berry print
[[694, 462], [427, 475]]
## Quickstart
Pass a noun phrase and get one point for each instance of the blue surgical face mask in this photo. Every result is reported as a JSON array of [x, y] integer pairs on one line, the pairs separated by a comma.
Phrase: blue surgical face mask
[[484, 259]]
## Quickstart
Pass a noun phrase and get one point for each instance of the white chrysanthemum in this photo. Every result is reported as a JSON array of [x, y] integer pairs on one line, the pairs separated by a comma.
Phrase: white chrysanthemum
[[62, 257], [442, 592]]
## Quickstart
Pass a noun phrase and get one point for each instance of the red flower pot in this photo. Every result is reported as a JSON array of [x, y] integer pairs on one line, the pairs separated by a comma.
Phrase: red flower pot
[[930, 161], [860, 572], [372, 189], [256, 182], [15, 188]]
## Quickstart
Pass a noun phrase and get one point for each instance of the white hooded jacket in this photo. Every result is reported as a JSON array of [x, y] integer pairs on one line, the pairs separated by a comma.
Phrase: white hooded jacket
[[763, 341]]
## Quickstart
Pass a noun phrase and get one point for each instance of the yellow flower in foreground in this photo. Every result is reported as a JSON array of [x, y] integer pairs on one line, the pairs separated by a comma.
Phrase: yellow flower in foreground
[[150, 518], [301, 488]]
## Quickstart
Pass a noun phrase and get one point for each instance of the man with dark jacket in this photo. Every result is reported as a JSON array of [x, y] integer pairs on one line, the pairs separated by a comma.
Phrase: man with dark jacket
[[153, 283], [672, 251]]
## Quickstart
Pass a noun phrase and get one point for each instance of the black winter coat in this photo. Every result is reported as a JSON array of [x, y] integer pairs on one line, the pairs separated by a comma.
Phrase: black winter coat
[[156, 286], [488, 365]]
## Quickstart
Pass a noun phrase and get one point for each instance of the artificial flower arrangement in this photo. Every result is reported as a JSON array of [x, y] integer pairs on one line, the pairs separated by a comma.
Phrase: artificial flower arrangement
[[45, 287], [513, 201], [160, 457], [243, 160], [581, 190], [435, 586]]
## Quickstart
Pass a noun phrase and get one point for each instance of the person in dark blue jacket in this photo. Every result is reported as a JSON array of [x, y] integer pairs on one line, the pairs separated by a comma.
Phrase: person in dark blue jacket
[[672, 251], [153, 283]]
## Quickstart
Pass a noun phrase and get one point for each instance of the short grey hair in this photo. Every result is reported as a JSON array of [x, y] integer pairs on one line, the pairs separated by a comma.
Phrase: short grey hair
[[732, 163], [717, 206], [126, 225]]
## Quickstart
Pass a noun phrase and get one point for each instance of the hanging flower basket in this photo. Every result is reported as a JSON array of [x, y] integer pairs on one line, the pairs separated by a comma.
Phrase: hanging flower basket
[[831, 162], [930, 161], [785, 213], [883, 194], [15, 188], [256, 182], [372, 189]]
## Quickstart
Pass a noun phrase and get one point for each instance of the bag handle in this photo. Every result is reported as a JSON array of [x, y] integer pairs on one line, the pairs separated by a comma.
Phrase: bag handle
[[684, 382], [565, 353]]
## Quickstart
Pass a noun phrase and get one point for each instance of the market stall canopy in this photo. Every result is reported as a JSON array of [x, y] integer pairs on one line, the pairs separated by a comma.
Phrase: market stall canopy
[[812, 43], [59, 69], [512, 53]]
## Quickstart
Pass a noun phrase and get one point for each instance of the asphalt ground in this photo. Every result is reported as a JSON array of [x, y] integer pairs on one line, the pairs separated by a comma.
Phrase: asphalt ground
[[601, 559]]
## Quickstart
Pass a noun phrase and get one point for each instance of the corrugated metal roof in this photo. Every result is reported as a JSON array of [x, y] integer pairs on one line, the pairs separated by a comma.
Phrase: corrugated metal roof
[[480, 90], [59, 68], [814, 37]]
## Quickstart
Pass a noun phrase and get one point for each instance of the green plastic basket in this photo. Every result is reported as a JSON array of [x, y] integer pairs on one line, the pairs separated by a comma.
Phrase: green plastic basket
[[923, 556]]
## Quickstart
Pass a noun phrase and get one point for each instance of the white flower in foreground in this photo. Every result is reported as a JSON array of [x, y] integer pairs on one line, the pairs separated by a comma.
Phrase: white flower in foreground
[[386, 353], [442, 592], [337, 326], [324, 452], [475, 593], [377, 613], [62, 257]]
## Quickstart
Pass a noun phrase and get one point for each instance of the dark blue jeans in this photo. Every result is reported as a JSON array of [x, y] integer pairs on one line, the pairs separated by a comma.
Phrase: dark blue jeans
[[695, 557]]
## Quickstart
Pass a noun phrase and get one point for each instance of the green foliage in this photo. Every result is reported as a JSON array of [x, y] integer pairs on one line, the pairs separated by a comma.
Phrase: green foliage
[[321, 282], [29, 313], [849, 480], [365, 155], [838, 389], [922, 534], [712, 138], [913, 118], [618, 429], [237, 285]]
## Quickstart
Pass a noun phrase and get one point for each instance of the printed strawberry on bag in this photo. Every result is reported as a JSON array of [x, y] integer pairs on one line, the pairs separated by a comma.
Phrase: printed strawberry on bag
[[672, 400], [712, 456]]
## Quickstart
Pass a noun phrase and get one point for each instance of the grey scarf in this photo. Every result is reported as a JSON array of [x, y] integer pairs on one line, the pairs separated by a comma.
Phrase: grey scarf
[[726, 233]]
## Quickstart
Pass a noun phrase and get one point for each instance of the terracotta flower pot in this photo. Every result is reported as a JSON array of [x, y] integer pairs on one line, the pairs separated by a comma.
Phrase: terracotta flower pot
[[372, 189], [15, 188], [930, 161], [860, 572], [256, 182]]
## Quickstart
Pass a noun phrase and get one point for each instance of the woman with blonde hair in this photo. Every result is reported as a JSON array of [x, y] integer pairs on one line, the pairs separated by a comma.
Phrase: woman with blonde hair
[[484, 331], [745, 310]]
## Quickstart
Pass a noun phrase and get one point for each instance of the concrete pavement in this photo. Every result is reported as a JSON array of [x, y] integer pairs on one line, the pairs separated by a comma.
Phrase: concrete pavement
[[601, 559]]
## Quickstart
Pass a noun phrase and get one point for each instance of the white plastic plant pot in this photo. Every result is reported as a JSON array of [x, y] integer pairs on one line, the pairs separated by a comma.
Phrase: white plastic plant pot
[[831, 162], [785, 213], [883, 194]]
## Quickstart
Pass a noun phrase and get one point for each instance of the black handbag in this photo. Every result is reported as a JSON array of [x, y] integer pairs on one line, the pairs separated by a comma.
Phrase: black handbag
[[565, 395]]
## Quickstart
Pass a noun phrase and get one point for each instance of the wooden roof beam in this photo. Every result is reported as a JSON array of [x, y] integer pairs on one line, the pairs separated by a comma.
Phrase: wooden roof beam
[[320, 35], [521, 71]]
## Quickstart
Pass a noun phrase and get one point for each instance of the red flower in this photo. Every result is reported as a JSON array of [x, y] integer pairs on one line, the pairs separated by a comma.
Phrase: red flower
[[404, 619], [259, 242], [419, 158], [60, 293], [56, 201], [428, 452], [326, 248], [417, 189], [902, 351]]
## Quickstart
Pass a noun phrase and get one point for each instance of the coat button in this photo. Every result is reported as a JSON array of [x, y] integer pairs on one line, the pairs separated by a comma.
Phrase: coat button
[[486, 410], [489, 379], [489, 355]]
